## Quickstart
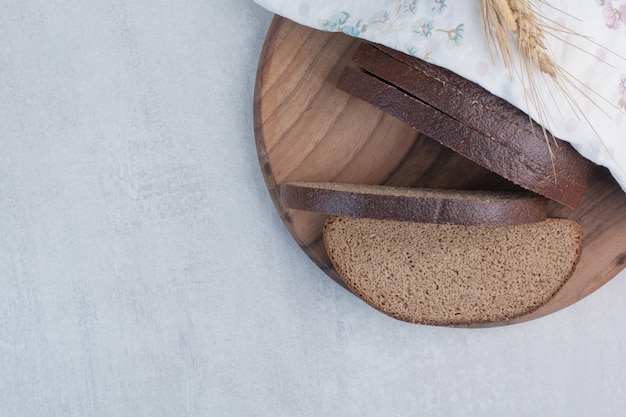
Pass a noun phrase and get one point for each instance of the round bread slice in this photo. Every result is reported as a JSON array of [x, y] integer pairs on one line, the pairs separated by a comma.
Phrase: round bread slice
[[453, 275], [469, 207]]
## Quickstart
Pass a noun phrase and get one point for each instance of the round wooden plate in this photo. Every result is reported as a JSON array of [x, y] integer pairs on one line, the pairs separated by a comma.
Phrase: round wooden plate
[[307, 130]]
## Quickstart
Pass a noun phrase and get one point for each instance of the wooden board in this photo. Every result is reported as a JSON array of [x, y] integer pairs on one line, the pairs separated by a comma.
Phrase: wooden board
[[307, 130]]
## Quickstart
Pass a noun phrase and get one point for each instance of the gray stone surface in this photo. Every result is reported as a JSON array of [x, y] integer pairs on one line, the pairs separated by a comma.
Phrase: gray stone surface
[[144, 271]]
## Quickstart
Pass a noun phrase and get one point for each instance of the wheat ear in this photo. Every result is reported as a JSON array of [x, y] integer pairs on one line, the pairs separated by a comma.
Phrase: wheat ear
[[513, 25], [508, 20], [531, 38], [513, 28]]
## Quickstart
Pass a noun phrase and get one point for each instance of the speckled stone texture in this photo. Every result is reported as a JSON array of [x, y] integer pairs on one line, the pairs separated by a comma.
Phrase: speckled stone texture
[[145, 272]]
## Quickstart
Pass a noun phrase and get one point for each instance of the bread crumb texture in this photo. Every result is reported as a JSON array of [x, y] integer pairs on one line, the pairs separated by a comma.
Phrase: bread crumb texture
[[453, 275]]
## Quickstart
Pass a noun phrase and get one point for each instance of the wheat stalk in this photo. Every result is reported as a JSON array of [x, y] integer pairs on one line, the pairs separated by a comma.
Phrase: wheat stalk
[[512, 25], [531, 38], [508, 20], [513, 28], [504, 10]]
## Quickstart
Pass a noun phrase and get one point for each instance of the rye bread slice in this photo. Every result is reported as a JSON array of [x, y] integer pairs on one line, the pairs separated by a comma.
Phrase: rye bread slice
[[469, 207], [474, 106], [459, 137], [453, 275], [466, 122]]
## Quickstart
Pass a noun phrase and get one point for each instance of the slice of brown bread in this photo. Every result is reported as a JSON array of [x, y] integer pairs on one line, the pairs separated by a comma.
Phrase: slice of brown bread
[[459, 137], [497, 120], [453, 275], [474, 106], [487, 208]]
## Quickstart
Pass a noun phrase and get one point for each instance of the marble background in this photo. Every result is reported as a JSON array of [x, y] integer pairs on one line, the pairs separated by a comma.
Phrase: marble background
[[144, 271]]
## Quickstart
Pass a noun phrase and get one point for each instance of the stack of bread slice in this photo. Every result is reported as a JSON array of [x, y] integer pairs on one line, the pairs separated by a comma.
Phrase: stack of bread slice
[[451, 257]]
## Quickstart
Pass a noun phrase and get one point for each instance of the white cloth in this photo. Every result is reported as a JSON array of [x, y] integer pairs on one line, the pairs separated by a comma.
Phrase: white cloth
[[450, 33]]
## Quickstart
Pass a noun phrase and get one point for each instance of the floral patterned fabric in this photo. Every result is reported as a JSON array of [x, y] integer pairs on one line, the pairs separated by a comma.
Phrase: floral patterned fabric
[[589, 45]]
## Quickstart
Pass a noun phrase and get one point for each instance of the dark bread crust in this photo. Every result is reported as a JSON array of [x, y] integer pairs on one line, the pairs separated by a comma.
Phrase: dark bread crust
[[497, 156], [482, 208], [474, 106]]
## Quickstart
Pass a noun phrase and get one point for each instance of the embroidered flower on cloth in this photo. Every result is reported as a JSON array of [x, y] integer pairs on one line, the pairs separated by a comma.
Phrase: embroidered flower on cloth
[[335, 22], [456, 34], [613, 16], [424, 29], [439, 5], [378, 20], [410, 7], [423, 18]]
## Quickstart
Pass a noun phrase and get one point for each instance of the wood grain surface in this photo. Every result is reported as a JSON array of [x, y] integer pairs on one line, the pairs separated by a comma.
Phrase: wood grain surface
[[308, 130]]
